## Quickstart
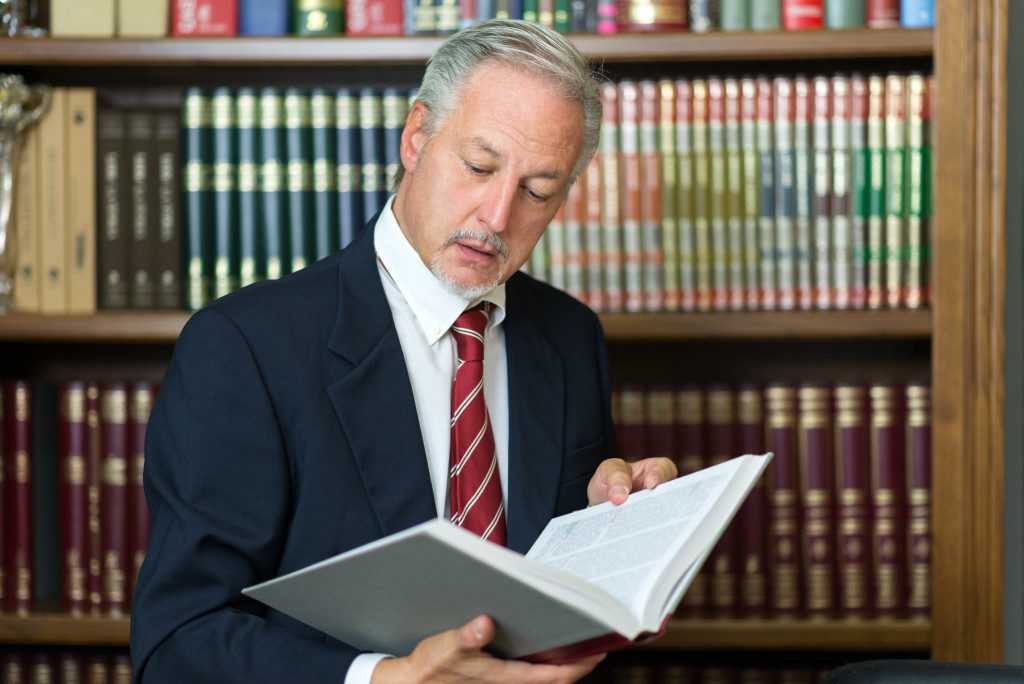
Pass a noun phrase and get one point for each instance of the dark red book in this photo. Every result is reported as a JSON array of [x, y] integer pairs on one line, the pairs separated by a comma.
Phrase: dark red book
[[630, 428], [69, 667], [97, 668], [204, 17], [919, 493], [659, 440], [888, 488], [18, 401], [723, 560], [114, 495], [783, 485], [817, 486], [140, 404], [120, 669], [853, 511], [13, 668], [93, 474], [691, 456], [373, 18], [73, 436], [800, 15], [3, 500], [753, 515], [882, 13]]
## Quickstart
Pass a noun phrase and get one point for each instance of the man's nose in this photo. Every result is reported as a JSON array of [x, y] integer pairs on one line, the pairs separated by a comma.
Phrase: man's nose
[[496, 205]]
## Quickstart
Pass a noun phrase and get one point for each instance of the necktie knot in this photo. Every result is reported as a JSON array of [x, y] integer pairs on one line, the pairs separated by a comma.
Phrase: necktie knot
[[469, 332]]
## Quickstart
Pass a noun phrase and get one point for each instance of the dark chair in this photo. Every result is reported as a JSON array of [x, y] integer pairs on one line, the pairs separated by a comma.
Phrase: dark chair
[[923, 672]]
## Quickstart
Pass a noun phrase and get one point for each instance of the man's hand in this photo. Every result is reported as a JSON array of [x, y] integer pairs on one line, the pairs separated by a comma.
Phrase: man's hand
[[615, 478], [456, 656]]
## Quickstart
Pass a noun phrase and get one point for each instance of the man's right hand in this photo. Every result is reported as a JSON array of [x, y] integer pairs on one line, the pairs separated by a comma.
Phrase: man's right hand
[[456, 656]]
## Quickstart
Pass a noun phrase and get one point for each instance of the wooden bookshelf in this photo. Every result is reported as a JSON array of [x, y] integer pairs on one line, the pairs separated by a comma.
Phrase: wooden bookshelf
[[56, 628]]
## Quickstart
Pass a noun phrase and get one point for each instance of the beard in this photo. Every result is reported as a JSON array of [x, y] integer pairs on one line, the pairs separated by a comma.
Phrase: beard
[[470, 292]]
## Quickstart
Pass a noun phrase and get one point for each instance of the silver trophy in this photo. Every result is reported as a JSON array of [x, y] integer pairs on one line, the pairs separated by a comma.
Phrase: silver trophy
[[17, 18], [20, 105]]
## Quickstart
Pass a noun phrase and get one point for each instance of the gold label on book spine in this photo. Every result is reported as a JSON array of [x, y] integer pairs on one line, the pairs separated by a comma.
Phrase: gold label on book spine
[[22, 467], [720, 407], [115, 472], [73, 405], [296, 111], [75, 575], [300, 175], [321, 110], [140, 464], [660, 410], [115, 406], [74, 470], [196, 111], [21, 404]]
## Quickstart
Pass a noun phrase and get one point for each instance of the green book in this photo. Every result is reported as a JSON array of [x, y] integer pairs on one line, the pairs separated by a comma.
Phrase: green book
[[875, 243], [860, 186], [766, 168], [273, 184], [803, 188], [719, 191], [225, 196], [841, 209], [751, 189], [840, 14], [895, 188], [197, 195], [735, 15], [324, 150], [765, 15], [247, 124], [318, 17], [669, 199], [299, 155], [562, 14], [531, 10], [735, 197], [917, 194]]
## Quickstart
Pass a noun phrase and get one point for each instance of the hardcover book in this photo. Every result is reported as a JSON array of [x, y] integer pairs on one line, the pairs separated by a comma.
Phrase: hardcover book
[[114, 496], [140, 403], [718, 205], [751, 189], [841, 14], [197, 196], [882, 13], [919, 499], [53, 205], [204, 17], [803, 186], [18, 476], [816, 499], [895, 195], [735, 198], [560, 602], [723, 562], [653, 284], [141, 231], [299, 175], [250, 261], [373, 18], [273, 183], [702, 182], [324, 169], [783, 485], [685, 196], [669, 179], [691, 456], [752, 531], [263, 17], [26, 222], [73, 437], [611, 226], [801, 15], [80, 194], [823, 252], [317, 17], [350, 182], [853, 504], [889, 492], [630, 195]]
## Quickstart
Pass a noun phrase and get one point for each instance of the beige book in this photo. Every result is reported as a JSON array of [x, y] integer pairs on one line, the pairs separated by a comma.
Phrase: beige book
[[26, 222], [52, 166], [80, 192], [82, 18], [142, 18]]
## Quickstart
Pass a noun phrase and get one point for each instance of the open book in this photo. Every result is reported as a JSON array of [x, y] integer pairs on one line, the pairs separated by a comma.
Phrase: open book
[[595, 579]]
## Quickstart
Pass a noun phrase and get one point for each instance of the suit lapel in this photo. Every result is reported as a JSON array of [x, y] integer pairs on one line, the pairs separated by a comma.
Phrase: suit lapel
[[374, 400], [536, 394]]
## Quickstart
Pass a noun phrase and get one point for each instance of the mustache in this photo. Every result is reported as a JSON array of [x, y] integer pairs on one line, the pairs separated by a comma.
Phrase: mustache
[[490, 239]]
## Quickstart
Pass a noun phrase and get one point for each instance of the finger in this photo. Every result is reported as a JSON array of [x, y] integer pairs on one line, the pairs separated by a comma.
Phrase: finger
[[611, 482], [650, 472], [475, 634]]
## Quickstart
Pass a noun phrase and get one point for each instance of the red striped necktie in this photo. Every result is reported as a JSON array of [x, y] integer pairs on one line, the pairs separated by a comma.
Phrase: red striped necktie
[[475, 483]]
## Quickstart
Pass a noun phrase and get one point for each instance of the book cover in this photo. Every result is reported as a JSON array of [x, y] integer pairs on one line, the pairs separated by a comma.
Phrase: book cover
[[371, 143], [860, 188], [919, 499], [80, 239], [273, 184], [93, 511], [842, 14], [704, 15], [669, 178], [888, 491], [803, 187], [718, 196], [685, 206], [801, 15], [142, 18], [753, 514], [692, 456], [18, 476], [651, 243], [841, 198], [876, 191], [197, 195], [724, 560], [735, 14], [250, 253], [735, 208], [823, 252], [611, 223], [298, 145], [73, 440], [630, 195], [263, 17], [817, 488], [917, 13], [767, 276], [702, 190], [765, 16], [114, 496], [895, 189], [651, 15], [918, 161], [25, 210], [784, 547], [225, 193], [350, 182], [53, 218], [785, 194], [323, 146], [853, 502], [751, 192], [140, 404], [632, 419], [318, 17], [204, 17], [882, 13], [71, 19], [141, 231]]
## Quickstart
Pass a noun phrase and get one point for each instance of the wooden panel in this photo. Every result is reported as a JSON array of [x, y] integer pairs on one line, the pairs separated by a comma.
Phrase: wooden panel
[[64, 629], [866, 635]]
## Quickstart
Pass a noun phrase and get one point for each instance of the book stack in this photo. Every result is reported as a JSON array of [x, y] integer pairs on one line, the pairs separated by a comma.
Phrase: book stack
[[85, 442], [759, 193], [841, 526], [36, 666], [704, 674]]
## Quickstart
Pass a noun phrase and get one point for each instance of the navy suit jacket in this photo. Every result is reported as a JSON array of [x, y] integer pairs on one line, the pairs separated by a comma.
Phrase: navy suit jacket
[[285, 432]]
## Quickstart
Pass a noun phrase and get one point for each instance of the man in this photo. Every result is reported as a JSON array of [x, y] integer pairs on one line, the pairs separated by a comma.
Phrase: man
[[309, 416]]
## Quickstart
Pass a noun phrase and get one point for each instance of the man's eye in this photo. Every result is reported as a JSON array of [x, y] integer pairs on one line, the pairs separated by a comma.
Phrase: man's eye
[[536, 196], [476, 170]]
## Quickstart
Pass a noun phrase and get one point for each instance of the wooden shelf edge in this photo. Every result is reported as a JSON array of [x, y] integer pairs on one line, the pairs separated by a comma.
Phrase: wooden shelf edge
[[809, 635], [44, 629], [312, 51], [157, 327]]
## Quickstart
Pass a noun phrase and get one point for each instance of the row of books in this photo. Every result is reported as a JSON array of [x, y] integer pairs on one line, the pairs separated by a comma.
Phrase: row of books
[[94, 467], [841, 524], [752, 193], [703, 674], [76, 666]]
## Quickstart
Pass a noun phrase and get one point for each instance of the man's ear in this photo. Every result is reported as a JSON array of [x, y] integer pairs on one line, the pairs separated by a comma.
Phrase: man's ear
[[414, 136]]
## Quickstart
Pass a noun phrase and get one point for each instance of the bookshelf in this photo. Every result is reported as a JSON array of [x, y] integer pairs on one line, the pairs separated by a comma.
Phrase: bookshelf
[[960, 339]]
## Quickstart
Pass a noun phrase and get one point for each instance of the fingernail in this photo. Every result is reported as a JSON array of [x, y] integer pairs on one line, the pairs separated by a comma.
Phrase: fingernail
[[620, 490], [478, 629]]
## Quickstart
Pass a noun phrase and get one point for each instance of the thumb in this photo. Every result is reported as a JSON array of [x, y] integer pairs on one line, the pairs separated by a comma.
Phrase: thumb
[[475, 634]]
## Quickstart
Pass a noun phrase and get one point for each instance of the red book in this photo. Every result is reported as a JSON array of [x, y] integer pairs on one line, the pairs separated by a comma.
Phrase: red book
[[888, 488], [650, 198], [97, 668], [18, 401], [659, 440], [373, 17], [93, 474], [114, 496], [800, 15], [753, 515], [607, 14], [783, 484], [882, 13], [140, 404], [919, 493], [853, 489], [3, 501], [204, 17], [630, 428], [816, 499], [611, 227], [722, 447], [691, 456], [631, 187], [73, 436]]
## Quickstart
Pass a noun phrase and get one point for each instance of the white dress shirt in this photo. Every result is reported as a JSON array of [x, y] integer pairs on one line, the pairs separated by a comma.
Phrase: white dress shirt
[[424, 311]]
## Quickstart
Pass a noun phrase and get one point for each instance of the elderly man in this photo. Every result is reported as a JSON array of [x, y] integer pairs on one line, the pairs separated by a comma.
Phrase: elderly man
[[414, 374]]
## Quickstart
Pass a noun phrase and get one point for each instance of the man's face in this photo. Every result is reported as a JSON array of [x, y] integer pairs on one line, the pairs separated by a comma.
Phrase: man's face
[[477, 196]]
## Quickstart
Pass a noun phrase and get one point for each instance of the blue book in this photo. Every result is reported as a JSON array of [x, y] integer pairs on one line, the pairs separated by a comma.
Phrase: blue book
[[396, 107], [325, 173], [917, 13], [350, 198], [263, 17], [197, 196], [247, 118], [371, 147], [273, 184], [298, 144], [225, 196]]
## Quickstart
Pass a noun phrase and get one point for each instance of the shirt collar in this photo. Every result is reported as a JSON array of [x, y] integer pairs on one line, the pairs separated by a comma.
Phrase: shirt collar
[[434, 307]]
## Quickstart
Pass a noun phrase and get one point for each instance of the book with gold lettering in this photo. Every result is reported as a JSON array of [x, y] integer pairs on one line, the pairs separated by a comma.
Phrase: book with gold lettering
[[73, 437], [114, 496], [853, 501]]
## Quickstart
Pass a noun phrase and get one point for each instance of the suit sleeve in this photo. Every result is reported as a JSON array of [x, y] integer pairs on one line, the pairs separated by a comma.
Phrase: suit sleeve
[[217, 482]]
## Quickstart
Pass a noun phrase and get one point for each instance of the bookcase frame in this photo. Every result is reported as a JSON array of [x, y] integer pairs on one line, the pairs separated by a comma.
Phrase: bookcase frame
[[965, 326]]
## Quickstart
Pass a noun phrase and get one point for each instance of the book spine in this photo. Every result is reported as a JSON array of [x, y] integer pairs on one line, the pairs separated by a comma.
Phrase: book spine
[[765, 15], [52, 207], [575, 258], [804, 189], [824, 286], [702, 190], [766, 195], [630, 194], [93, 487], [81, 236], [685, 196], [651, 15], [324, 171], [396, 108], [112, 175], [750, 192], [876, 193], [704, 15], [723, 560], [841, 196], [120, 668], [197, 196], [371, 139], [247, 122], [841, 14], [26, 222], [888, 488], [659, 437], [225, 193], [895, 194], [816, 497], [263, 17], [554, 242], [735, 15], [166, 209], [719, 187], [607, 14], [801, 15], [916, 161], [349, 172], [669, 178], [73, 437], [141, 238], [785, 194], [373, 18], [853, 515], [734, 198], [114, 496], [546, 13], [562, 16], [447, 16], [917, 13], [531, 11], [928, 190], [611, 226], [140, 404], [318, 17], [753, 563], [204, 17], [860, 190], [299, 153], [273, 183], [578, 16], [882, 13], [783, 484], [592, 234], [632, 445], [5, 468], [653, 285], [691, 456], [20, 564], [919, 510]]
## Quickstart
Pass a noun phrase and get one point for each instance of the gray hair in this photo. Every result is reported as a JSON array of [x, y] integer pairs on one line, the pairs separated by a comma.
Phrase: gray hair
[[521, 44]]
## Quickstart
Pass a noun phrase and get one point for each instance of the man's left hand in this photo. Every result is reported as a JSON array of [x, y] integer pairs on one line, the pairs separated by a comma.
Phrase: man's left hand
[[615, 478]]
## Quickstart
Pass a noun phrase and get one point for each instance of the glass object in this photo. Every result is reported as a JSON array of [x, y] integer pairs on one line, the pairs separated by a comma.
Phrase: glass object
[[17, 17]]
